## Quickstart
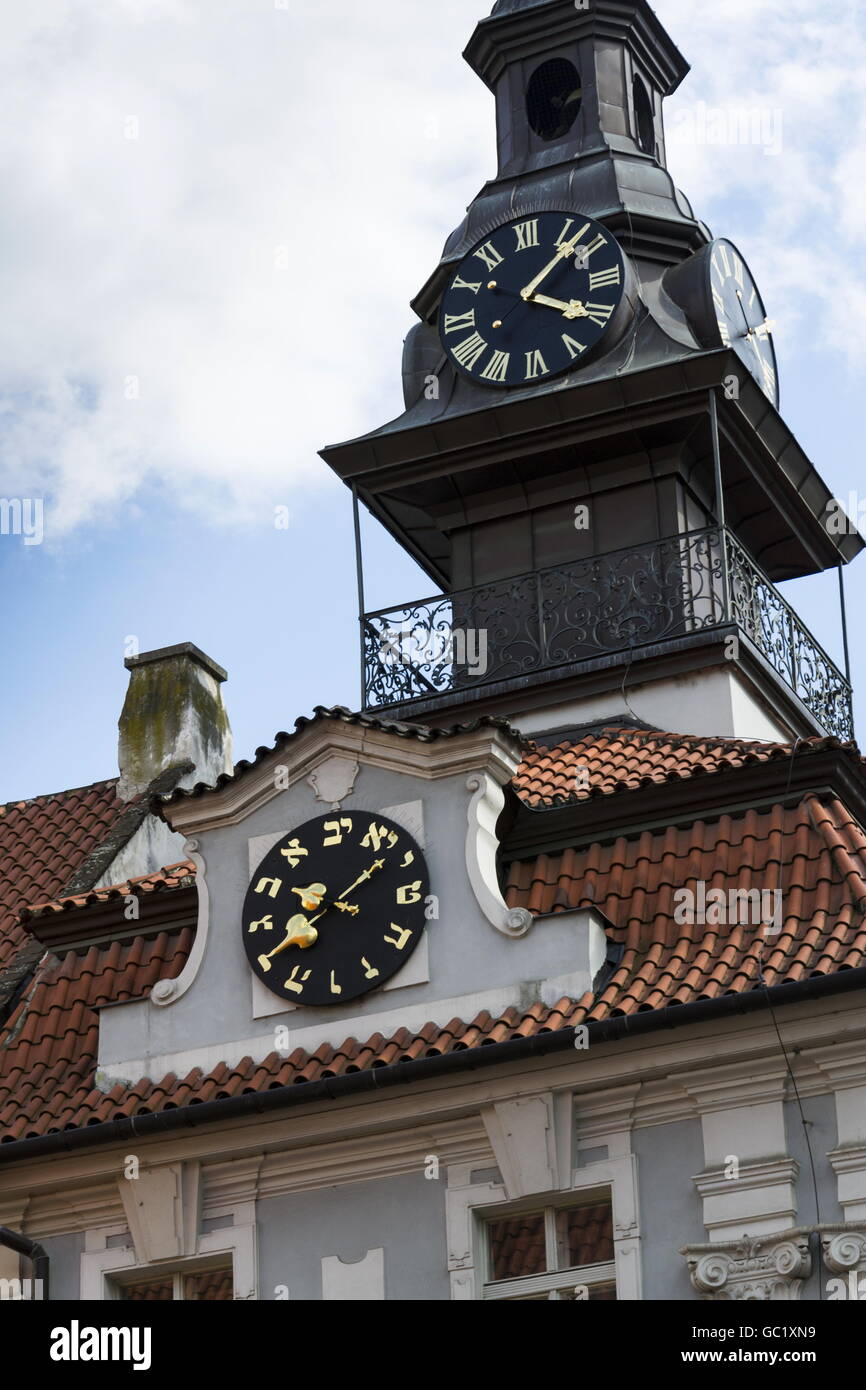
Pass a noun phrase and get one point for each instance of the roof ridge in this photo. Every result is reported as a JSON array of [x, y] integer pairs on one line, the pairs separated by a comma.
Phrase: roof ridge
[[653, 735], [21, 802], [169, 876], [424, 733]]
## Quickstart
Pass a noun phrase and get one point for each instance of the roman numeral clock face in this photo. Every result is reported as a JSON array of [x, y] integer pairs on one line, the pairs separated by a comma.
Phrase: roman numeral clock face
[[740, 315], [532, 300], [335, 909]]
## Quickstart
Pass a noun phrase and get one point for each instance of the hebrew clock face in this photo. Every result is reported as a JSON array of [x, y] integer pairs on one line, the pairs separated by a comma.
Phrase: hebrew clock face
[[335, 908], [741, 317], [533, 299]]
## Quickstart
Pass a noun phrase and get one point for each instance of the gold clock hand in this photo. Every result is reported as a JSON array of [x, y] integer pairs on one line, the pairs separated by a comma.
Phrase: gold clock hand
[[567, 249], [573, 309], [367, 874], [300, 930]]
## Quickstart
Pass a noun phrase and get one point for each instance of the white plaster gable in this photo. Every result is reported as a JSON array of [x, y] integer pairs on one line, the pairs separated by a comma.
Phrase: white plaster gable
[[476, 954]]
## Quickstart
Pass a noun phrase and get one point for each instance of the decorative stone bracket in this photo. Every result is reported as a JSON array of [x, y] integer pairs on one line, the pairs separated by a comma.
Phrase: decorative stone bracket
[[482, 845], [843, 1249], [770, 1268], [844, 1253]]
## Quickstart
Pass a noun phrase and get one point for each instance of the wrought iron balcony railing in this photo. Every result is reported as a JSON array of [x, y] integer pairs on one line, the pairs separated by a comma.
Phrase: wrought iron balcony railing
[[609, 605]]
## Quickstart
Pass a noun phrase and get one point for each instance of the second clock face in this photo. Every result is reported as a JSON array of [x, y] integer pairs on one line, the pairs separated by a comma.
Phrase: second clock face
[[740, 315], [533, 299], [335, 908]]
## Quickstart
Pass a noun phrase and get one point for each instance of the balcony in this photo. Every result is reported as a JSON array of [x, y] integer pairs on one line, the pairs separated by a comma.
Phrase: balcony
[[611, 606]]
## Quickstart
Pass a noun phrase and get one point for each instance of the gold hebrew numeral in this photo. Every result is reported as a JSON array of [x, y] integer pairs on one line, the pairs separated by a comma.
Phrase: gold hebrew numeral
[[271, 886], [409, 893], [337, 828], [377, 836], [403, 934], [295, 985], [266, 922], [294, 852]]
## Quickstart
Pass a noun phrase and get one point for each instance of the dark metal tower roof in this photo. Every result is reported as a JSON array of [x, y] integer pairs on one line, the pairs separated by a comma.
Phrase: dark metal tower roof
[[510, 6]]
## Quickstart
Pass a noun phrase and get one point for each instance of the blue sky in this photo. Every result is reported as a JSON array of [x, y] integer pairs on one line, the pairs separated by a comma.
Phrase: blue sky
[[179, 207]]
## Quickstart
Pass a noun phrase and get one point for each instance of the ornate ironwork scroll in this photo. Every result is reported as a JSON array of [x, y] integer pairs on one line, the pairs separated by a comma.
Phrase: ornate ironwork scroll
[[759, 609], [613, 603]]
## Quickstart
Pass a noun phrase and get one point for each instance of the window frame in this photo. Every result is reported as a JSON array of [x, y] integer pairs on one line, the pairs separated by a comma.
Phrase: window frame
[[101, 1264], [553, 1280], [176, 1270], [466, 1199]]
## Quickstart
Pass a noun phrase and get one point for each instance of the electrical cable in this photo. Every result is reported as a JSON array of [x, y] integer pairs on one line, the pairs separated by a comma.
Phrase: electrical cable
[[789, 1068]]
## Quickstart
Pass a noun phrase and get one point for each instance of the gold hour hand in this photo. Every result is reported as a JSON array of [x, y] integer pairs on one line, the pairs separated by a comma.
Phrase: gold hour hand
[[299, 932], [573, 309]]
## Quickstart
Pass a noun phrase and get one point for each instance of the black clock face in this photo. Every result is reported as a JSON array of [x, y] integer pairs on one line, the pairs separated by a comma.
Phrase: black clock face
[[335, 908], [741, 316], [533, 299]]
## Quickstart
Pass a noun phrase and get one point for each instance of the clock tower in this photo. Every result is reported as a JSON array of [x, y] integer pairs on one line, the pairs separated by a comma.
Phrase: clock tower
[[591, 465]]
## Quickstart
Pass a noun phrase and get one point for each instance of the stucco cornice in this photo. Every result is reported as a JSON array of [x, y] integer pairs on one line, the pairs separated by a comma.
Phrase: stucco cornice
[[490, 747]]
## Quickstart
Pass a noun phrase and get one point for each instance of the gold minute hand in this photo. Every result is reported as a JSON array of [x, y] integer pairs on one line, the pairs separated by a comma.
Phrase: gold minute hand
[[368, 873], [567, 249]]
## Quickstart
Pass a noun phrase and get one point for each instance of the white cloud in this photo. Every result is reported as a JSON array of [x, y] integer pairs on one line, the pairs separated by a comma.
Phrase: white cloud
[[221, 210], [162, 159], [802, 65]]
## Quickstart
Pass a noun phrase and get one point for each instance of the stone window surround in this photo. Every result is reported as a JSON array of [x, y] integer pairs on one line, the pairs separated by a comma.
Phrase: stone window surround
[[469, 1205], [100, 1263], [512, 1287]]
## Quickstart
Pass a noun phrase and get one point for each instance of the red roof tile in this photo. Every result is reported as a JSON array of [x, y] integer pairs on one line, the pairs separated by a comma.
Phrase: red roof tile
[[620, 758], [42, 843], [815, 854], [180, 875], [815, 851]]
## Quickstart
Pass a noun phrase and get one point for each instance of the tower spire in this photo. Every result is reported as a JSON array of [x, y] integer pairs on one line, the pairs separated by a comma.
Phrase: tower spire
[[591, 463]]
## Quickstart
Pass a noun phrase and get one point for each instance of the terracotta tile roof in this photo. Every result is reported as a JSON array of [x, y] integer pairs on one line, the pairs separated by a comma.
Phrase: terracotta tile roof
[[180, 875], [815, 850], [42, 843], [48, 1048], [621, 758], [814, 853]]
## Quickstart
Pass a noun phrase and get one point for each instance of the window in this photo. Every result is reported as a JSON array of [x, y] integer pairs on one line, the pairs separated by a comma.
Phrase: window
[[553, 98], [644, 119], [562, 1253], [178, 1286]]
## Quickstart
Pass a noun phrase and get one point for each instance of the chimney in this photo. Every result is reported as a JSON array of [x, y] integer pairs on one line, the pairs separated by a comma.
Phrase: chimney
[[173, 713]]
